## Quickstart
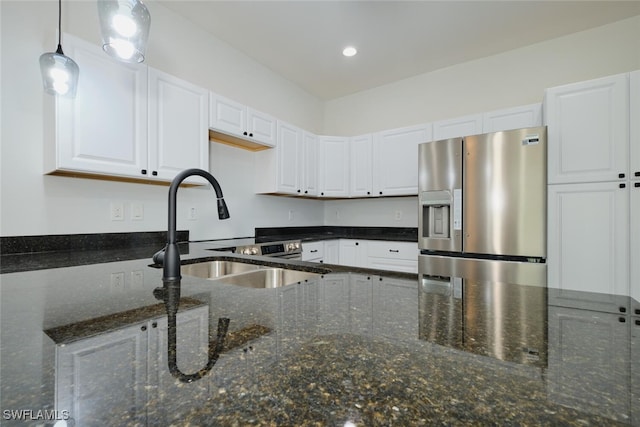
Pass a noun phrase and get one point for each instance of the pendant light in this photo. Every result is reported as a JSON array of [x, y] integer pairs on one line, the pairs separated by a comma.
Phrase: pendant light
[[124, 25], [59, 72]]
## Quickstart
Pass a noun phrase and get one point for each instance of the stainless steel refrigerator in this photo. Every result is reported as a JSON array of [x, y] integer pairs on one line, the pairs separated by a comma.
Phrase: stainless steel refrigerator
[[482, 207]]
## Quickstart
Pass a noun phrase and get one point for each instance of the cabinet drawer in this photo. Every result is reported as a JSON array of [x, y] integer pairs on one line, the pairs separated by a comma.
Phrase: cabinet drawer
[[312, 251], [393, 250]]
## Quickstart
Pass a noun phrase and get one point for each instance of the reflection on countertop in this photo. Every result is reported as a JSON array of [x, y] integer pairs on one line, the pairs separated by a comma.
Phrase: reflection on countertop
[[350, 345]]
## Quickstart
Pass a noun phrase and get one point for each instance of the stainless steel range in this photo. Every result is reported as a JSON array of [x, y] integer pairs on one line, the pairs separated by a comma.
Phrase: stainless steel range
[[288, 249]]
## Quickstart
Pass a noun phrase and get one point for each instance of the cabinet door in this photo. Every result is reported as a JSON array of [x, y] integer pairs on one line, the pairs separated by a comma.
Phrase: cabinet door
[[178, 136], [361, 169], [103, 376], [588, 238], [312, 251], [353, 252], [332, 251], [588, 130], [525, 116], [395, 160], [104, 129], [458, 127], [634, 114], [309, 173], [333, 171], [393, 256], [289, 151], [589, 361], [227, 116], [261, 127], [634, 255]]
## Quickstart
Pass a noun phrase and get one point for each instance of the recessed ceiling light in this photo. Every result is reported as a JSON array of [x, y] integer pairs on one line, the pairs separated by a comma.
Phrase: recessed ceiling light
[[349, 51]]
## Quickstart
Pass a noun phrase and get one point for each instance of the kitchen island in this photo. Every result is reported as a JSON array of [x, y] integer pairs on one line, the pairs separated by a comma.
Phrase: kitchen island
[[343, 347]]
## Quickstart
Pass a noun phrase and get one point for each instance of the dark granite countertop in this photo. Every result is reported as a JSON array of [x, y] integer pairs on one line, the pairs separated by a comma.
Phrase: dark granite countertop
[[344, 347]]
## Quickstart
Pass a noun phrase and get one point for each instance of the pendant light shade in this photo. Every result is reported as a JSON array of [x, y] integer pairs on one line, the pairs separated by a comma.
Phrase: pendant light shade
[[59, 72], [124, 25]]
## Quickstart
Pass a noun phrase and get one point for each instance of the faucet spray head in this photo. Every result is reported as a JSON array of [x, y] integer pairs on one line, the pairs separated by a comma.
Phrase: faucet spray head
[[223, 211]]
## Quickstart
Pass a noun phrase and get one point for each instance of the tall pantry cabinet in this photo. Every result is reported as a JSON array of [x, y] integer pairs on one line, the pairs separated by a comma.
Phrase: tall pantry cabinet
[[593, 177]]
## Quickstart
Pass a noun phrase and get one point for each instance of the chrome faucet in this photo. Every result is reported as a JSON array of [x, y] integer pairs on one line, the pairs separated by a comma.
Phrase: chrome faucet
[[169, 257]]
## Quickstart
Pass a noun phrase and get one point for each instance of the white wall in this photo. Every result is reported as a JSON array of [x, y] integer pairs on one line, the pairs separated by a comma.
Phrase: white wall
[[34, 204]]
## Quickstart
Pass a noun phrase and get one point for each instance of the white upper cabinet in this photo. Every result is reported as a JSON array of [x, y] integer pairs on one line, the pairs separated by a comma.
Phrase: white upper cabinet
[[237, 120], [588, 130], [280, 170], [458, 127], [104, 129], [178, 117], [290, 158], [525, 116], [361, 166], [395, 160], [333, 166], [127, 121], [634, 114], [309, 171]]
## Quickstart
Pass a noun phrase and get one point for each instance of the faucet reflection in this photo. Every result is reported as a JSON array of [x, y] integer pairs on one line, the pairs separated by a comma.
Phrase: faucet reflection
[[170, 294], [169, 257]]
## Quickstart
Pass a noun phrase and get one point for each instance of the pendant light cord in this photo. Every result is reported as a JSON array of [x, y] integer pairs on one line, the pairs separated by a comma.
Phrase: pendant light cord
[[59, 50]]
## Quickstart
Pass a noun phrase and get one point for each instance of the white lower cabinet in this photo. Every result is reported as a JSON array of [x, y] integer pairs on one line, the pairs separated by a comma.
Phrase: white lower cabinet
[[634, 247], [353, 252], [589, 362], [588, 238], [394, 256], [313, 251], [332, 251], [124, 375]]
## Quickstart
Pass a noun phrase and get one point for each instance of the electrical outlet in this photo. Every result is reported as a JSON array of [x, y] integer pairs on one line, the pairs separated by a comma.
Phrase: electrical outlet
[[117, 282], [192, 214], [290, 215], [137, 279], [398, 215], [117, 211], [137, 211]]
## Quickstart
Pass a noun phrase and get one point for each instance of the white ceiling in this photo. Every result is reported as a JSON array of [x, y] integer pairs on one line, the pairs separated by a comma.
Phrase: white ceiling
[[303, 40]]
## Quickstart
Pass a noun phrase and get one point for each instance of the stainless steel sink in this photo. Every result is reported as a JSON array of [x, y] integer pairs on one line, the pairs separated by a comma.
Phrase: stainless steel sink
[[216, 269], [268, 278], [246, 275]]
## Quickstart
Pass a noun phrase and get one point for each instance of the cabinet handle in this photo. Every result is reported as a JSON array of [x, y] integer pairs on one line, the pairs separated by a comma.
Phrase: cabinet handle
[[322, 194], [154, 325], [638, 322], [143, 171], [620, 175], [636, 184], [298, 190], [622, 320], [244, 133], [637, 311], [637, 173], [306, 192], [313, 251], [143, 328], [251, 135], [394, 250], [154, 173], [368, 193], [357, 243], [380, 193], [623, 309], [623, 186]]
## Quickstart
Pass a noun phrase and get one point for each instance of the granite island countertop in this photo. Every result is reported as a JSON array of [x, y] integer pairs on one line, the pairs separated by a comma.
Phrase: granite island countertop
[[346, 347]]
